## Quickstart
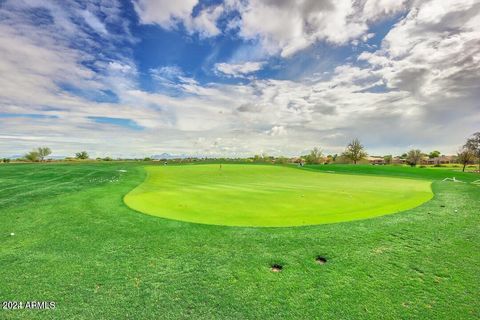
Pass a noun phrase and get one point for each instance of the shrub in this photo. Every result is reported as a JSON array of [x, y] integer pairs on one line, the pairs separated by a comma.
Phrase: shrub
[[315, 156], [281, 160], [43, 152], [32, 156], [82, 155], [413, 157]]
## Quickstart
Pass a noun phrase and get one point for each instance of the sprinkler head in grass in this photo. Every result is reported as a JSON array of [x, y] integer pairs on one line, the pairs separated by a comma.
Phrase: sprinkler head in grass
[[276, 267], [12, 234], [320, 260]]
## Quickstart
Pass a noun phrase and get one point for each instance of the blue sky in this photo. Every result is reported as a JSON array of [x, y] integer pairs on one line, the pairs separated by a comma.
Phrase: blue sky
[[237, 77]]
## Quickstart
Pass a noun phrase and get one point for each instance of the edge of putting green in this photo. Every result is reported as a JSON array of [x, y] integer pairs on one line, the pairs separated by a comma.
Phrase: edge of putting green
[[350, 218]]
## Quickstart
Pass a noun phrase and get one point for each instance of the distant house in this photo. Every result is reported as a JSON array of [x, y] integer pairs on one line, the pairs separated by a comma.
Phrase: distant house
[[375, 160], [398, 160], [441, 160]]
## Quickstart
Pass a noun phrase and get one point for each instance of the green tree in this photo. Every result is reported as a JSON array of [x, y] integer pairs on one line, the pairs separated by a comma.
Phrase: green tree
[[43, 152], [32, 156], [434, 154], [314, 157], [473, 144], [388, 159], [355, 151], [414, 156], [82, 155], [465, 156], [6, 160]]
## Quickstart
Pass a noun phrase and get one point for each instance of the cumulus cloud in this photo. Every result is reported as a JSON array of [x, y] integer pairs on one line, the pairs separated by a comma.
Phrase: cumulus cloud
[[168, 14], [378, 9], [287, 27], [280, 27], [205, 22], [421, 83], [44, 68], [277, 131], [433, 52]]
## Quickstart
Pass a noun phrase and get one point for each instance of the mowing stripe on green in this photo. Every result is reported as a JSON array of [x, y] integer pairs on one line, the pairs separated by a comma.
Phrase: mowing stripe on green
[[270, 196]]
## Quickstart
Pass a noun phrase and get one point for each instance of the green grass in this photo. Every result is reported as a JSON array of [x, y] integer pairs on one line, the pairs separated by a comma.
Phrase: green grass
[[260, 195], [77, 243], [429, 173]]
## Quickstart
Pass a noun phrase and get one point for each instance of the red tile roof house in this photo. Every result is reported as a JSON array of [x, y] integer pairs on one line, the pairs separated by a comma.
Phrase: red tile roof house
[[398, 160]]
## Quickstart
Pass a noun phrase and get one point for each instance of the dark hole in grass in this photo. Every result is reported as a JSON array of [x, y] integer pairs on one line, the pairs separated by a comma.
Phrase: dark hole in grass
[[442, 206], [321, 260], [276, 267]]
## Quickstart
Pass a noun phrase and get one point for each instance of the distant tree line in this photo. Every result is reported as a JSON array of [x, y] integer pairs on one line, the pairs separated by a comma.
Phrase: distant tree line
[[466, 155], [354, 153]]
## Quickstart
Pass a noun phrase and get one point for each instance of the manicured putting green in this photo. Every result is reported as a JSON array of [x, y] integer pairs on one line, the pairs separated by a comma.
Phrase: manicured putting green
[[261, 195]]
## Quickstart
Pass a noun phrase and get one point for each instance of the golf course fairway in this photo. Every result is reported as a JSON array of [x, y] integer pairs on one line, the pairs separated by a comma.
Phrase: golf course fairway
[[270, 196]]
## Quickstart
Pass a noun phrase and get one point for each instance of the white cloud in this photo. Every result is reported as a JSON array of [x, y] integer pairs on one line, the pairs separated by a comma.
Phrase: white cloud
[[287, 27], [169, 14], [205, 22], [164, 12], [168, 76], [277, 131], [280, 27], [238, 70], [434, 51], [426, 78], [378, 9], [119, 67], [93, 22]]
